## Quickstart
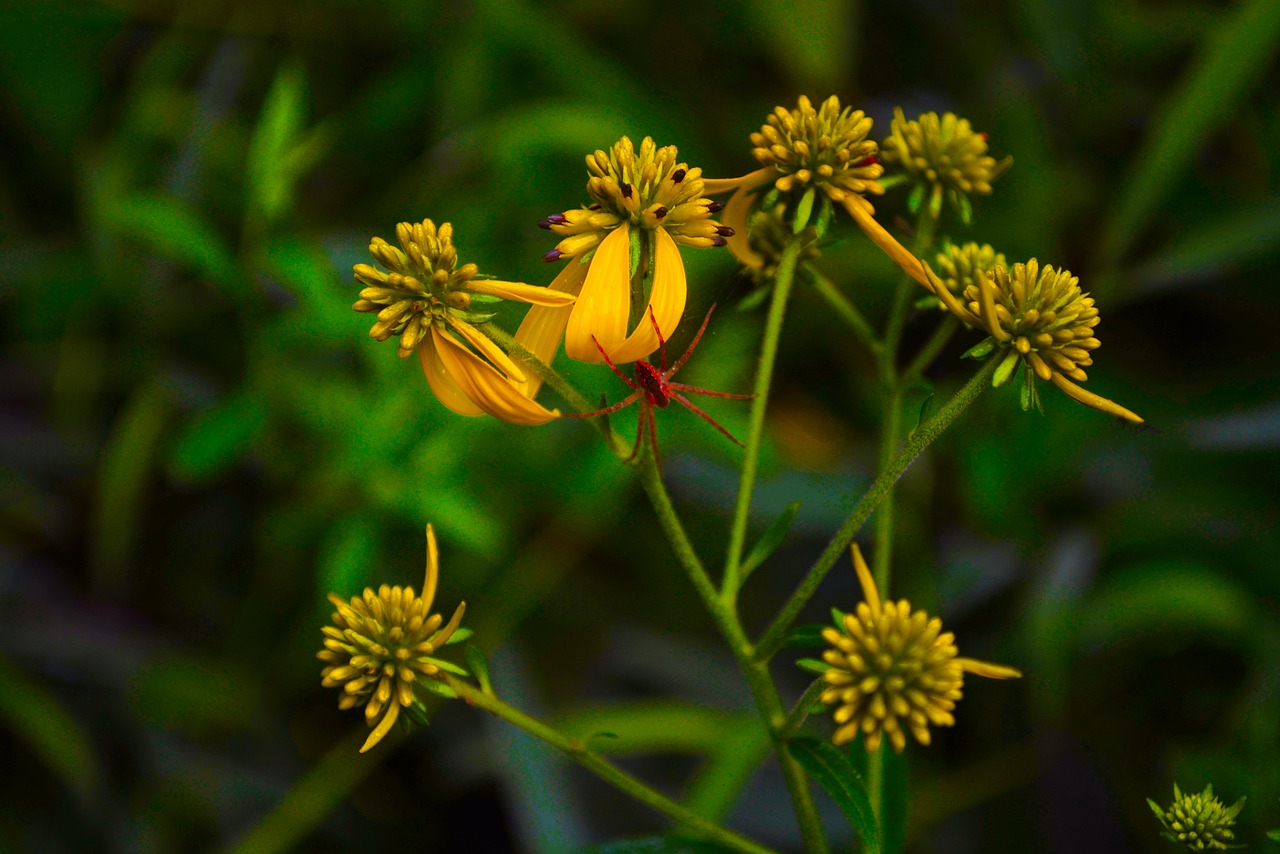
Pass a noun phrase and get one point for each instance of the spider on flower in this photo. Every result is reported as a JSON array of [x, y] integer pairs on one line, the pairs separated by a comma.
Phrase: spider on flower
[[653, 388]]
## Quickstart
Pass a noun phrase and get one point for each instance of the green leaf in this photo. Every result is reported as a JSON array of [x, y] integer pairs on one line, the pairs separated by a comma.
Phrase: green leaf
[[755, 299], [177, 232], [769, 540], [1002, 374], [804, 210], [836, 774], [216, 438], [42, 724], [1274, 835], [1234, 57], [807, 635], [980, 350], [459, 635], [813, 665], [438, 688], [446, 666], [1233, 237], [479, 666], [655, 727], [270, 178]]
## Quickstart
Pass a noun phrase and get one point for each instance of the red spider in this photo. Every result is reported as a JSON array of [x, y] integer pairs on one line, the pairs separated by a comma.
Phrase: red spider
[[653, 387]]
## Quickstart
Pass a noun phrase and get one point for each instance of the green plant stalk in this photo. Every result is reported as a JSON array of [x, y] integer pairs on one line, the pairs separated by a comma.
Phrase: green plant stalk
[[755, 433], [771, 641], [930, 350], [845, 309], [756, 672], [577, 750], [800, 711], [891, 432]]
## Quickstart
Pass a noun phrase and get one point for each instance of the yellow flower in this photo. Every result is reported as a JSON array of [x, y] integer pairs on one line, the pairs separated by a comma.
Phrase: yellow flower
[[1039, 318], [824, 148], [1201, 822], [957, 264], [382, 643], [942, 156], [645, 202], [893, 669], [433, 305]]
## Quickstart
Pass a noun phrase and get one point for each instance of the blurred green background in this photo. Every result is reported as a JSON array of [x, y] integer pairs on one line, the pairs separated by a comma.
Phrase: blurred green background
[[200, 439]]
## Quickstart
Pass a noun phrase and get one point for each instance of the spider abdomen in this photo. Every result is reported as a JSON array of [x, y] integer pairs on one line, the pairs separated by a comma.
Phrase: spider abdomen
[[653, 382]]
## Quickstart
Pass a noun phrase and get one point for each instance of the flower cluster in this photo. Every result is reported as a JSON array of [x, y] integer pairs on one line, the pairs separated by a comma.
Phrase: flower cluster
[[1037, 317], [383, 643], [1201, 821], [893, 670], [434, 306], [957, 265], [941, 156]]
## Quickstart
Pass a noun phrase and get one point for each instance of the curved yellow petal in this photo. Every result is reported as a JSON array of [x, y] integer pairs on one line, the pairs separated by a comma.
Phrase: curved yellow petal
[[489, 390], [987, 306], [443, 385], [1098, 402], [987, 669], [758, 178], [521, 292], [542, 328], [734, 215], [667, 299], [604, 303], [942, 292], [487, 348], [433, 569], [384, 726], [869, 592], [856, 206], [447, 632]]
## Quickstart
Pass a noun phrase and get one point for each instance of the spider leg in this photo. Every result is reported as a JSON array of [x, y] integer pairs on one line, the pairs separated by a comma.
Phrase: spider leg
[[626, 401], [614, 367], [696, 390], [692, 344], [662, 342], [684, 401], [653, 439]]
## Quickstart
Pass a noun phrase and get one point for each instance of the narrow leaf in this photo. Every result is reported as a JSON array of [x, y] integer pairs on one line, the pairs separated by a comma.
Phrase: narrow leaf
[[770, 539], [836, 774], [480, 667]]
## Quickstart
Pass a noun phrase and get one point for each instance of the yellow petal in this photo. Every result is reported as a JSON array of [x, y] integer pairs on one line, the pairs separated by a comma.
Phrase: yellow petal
[[521, 292], [869, 592], [987, 306], [447, 632], [487, 348], [857, 208], [987, 669], [1098, 402], [384, 726], [604, 304], [542, 328], [489, 390], [667, 298], [433, 568], [758, 178], [443, 385], [734, 215]]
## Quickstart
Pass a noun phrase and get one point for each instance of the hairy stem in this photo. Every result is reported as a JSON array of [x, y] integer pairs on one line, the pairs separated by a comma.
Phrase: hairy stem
[[577, 750], [924, 436], [755, 433]]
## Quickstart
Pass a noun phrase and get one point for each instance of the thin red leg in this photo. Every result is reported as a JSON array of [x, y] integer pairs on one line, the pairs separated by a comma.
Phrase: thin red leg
[[626, 401], [694, 343], [707, 391], [685, 402], [662, 342], [612, 366]]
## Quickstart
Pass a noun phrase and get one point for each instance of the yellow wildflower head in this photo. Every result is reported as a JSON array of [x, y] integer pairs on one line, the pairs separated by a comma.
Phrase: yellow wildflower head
[[957, 264], [1201, 822], [893, 670], [769, 234], [825, 148], [645, 202], [436, 306], [941, 155], [382, 644], [1035, 316]]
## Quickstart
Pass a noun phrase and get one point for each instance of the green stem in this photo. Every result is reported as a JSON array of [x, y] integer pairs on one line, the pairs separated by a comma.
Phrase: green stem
[[772, 639], [875, 784], [931, 349], [755, 672], [800, 711], [755, 433], [846, 310], [889, 437], [577, 750]]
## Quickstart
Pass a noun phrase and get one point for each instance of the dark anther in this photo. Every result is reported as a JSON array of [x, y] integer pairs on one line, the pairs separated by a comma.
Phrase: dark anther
[[659, 212], [593, 207], [553, 255], [724, 231], [715, 207], [627, 191], [718, 241], [867, 161], [677, 176], [554, 219]]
